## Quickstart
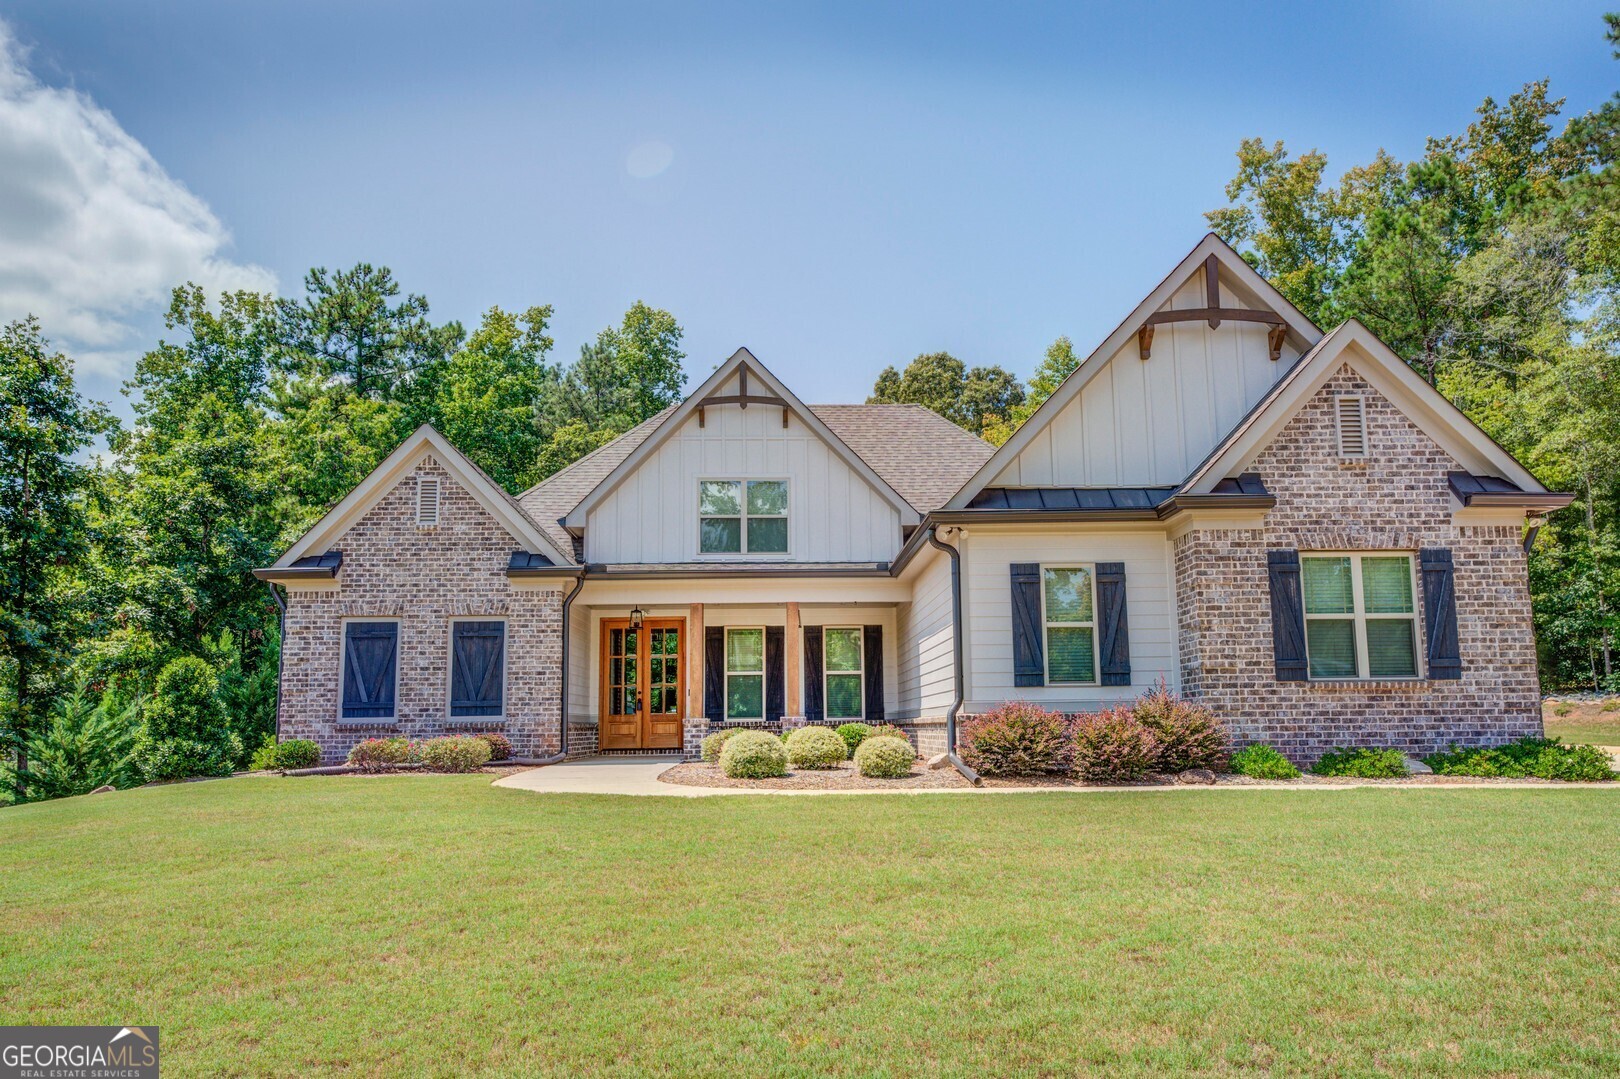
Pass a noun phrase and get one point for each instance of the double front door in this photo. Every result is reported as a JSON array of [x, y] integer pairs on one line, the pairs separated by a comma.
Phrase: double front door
[[643, 684]]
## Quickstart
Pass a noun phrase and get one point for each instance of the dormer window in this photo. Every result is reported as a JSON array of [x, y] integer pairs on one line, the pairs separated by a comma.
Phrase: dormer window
[[743, 517], [427, 502]]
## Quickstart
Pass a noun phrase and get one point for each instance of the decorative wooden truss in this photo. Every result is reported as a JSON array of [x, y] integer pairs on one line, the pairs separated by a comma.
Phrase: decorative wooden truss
[[1214, 313], [742, 399]]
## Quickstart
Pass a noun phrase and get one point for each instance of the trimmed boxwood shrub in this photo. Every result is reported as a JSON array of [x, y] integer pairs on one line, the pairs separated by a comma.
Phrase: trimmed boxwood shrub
[[1113, 747], [297, 753], [1542, 758], [382, 754], [884, 757], [455, 753], [1018, 739], [185, 758], [1189, 735], [1362, 762], [886, 730], [816, 747], [753, 755], [853, 735], [500, 746], [714, 743], [1263, 762]]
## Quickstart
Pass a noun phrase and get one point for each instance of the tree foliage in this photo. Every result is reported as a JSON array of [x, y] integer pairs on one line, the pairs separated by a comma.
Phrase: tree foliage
[[970, 398]]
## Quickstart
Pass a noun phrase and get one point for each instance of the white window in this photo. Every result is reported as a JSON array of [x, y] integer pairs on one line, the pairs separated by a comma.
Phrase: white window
[[743, 516], [843, 649], [1352, 418], [745, 672], [1360, 620], [1068, 612], [427, 501]]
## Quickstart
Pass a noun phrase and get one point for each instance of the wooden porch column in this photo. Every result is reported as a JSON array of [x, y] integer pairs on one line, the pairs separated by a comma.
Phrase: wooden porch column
[[792, 705], [694, 661]]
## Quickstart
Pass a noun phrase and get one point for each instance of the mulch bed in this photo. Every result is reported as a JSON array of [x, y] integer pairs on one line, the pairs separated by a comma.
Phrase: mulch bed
[[840, 778]]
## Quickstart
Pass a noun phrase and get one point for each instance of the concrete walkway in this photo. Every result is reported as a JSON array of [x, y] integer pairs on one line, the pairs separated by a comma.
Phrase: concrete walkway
[[639, 776]]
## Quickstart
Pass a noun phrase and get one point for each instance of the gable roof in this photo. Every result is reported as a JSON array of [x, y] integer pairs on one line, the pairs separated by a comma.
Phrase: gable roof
[[550, 500], [1355, 344], [371, 490], [1255, 288], [669, 422]]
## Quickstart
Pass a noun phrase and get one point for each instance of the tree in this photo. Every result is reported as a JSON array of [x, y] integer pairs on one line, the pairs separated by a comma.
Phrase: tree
[[85, 745], [489, 391], [941, 383], [44, 427], [1058, 363], [186, 732]]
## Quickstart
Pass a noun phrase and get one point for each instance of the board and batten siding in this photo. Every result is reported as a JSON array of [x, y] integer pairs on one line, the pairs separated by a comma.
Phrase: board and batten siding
[[834, 515], [1150, 423], [924, 682], [987, 594]]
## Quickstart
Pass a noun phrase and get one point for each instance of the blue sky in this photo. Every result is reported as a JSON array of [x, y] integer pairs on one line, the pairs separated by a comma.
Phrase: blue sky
[[838, 186]]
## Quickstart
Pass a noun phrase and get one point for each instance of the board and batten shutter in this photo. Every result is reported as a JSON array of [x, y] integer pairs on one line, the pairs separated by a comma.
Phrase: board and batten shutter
[[815, 708], [371, 652], [714, 673], [477, 668], [1440, 613], [775, 679], [1115, 634], [1287, 616], [872, 665], [1029, 651]]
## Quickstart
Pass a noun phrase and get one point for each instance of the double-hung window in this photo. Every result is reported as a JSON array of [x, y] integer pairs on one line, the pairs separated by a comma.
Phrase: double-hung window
[[743, 516], [843, 650], [477, 668], [745, 672], [1360, 620], [1069, 615], [370, 669]]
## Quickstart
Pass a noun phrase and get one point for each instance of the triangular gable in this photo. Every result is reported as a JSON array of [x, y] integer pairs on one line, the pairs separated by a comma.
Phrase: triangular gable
[[1354, 344], [1235, 272], [672, 423], [371, 490]]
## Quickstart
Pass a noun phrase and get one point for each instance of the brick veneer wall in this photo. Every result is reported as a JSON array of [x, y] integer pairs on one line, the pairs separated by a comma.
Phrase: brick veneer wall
[[1395, 499], [423, 577]]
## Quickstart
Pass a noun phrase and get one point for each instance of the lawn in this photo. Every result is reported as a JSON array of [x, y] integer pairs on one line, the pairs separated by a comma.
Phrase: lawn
[[437, 925], [1583, 721]]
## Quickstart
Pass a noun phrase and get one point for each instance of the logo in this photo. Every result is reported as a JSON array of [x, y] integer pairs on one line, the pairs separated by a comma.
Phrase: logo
[[78, 1052]]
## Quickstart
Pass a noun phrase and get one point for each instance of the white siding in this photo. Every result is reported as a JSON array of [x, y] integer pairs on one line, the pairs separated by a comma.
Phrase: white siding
[[924, 681], [987, 594], [834, 515], [1151, 423]]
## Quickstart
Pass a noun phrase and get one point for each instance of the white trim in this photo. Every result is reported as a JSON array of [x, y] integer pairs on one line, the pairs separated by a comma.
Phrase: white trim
[[1358, 616], [1046, 624], [727, 672], [1353, 443], [343, 667], [450, 667], [742, 519], [577, 517], [1301, 331], [422, 443], [827, 672]]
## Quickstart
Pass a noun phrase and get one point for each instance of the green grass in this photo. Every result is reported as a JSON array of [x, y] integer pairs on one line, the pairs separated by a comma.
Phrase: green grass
[[1597, 730], [437, 925]]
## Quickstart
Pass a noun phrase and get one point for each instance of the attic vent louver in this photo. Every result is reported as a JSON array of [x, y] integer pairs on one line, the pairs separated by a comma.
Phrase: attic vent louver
[[427, 502], [1352, 413]]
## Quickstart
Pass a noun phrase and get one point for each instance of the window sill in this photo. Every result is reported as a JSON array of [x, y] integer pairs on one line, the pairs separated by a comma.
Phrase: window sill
[[483, 722], [368, 724], [1365, 684]]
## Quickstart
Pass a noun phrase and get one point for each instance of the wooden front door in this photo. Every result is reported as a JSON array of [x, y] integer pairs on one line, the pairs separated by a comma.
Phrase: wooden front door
[[643, 684]]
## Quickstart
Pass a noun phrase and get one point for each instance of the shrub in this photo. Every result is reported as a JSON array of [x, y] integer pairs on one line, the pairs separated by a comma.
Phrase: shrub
[[500, 746], [264, 758], [884, 757], [1362, 763], [1563, 709], [382, 754], [714, 743], [1113, 746], [84, 745], [1611, 705], [1018, 739], [297, 753], [853, 735], [455, 753], [185, 708], [1263, 762], [886, 730], [1189, 735], [185, 758], [753, 755], [1543, 758], [816, 747]]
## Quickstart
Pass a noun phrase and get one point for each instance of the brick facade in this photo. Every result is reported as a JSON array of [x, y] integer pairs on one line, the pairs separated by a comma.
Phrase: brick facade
[[1394, 499], [424, 577]]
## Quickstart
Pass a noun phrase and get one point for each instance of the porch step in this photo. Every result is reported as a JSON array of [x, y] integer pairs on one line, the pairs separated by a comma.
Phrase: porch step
[[639, 753]]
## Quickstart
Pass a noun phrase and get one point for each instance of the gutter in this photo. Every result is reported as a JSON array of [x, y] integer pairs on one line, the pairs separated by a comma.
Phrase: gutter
[[949, 756]]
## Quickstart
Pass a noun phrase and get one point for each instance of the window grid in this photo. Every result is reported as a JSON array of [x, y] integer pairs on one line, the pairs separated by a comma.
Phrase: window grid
[[1360, 616], [843, 674], [742, 491], [745, 676], [1048, 623]]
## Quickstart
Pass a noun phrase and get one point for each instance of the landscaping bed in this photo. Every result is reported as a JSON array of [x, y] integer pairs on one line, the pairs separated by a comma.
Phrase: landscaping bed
[[839, 777]]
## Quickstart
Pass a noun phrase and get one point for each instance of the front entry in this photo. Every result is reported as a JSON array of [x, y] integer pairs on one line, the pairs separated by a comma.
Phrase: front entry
[[643, 684]]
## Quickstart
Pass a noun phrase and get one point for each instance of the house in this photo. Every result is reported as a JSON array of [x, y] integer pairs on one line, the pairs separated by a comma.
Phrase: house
[[1285, 524]]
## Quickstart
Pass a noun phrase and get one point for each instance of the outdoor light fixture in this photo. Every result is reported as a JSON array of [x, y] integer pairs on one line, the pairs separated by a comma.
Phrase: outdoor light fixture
[[635, 618]]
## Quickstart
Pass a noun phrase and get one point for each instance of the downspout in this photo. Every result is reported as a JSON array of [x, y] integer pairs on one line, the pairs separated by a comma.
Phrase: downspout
[[281, 648], [949, 756]]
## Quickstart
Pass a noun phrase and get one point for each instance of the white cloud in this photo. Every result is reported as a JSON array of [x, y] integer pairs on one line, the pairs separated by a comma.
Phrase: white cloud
[[93, 232]]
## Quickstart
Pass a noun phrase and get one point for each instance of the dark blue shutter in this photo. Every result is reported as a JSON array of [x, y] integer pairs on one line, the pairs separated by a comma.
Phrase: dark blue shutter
[[814, 707], [1029, 646], [1116, 636], [477, 668], [1287, 617], [714, 673], [872, 664], [775, 678], [1440, 614], [369, 655]]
